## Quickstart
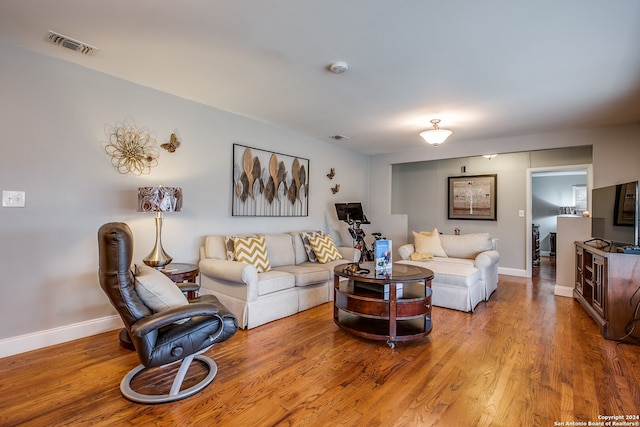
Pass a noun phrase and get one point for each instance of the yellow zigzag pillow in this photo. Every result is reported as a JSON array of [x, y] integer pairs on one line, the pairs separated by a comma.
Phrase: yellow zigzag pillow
[[324, 248], [252, 250]]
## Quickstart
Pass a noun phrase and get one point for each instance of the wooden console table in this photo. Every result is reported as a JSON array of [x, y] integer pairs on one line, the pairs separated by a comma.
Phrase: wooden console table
[[607, 285], [395, 307]]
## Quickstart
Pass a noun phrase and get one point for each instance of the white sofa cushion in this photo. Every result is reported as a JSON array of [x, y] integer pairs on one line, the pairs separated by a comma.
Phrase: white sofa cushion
[[274, 281], [306, 274], [156, 290], [466, 245], [298, 248], [214, 247], [280, 249], [451, 261]]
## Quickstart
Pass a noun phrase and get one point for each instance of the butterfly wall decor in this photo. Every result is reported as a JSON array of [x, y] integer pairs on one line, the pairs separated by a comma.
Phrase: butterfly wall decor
[[172, 144], [331, 174], [335, 188]]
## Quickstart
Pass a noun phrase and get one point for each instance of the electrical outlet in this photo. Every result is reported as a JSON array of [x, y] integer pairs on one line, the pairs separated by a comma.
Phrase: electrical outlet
[[13, 199]]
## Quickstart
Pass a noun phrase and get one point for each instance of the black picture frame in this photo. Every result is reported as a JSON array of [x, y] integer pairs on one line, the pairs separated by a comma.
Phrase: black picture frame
[[473, 197]]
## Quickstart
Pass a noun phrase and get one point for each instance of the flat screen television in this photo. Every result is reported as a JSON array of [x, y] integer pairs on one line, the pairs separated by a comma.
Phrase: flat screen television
[[614, 212]]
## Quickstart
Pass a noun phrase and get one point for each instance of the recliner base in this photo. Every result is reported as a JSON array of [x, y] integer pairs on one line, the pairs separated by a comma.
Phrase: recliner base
[[175, 393]]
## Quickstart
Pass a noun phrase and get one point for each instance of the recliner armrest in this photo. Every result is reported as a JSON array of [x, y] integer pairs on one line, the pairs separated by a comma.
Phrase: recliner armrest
[[164, 318]]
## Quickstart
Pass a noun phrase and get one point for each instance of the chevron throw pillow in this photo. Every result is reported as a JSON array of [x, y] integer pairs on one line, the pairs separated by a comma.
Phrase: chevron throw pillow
[[324, 248], [252, 250]]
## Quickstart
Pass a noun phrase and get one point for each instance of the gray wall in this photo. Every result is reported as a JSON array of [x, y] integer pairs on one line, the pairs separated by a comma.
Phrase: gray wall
[[53, 121], [419, 190], [615, 153]]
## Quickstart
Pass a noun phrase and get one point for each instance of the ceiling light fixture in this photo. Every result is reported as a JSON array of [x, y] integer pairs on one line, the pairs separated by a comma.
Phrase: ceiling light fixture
[[489, 156], [435, 136]]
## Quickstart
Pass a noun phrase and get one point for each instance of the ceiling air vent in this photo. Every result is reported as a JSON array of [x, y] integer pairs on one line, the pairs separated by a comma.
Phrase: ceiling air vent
[[70, 43]]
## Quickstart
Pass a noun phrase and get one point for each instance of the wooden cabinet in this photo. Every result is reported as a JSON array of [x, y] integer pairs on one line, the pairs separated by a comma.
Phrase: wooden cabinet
[[535, 249], [607, 286]]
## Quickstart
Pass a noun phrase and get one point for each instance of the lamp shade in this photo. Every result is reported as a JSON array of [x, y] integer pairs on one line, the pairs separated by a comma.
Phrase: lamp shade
[[435, 136], [159, 199]]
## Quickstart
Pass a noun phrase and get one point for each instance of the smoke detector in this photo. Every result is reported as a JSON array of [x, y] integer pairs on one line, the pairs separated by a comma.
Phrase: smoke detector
[[69, 43], [339, 67]]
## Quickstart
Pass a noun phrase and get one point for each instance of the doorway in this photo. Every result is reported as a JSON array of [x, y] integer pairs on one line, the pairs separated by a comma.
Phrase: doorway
[[552, 191]]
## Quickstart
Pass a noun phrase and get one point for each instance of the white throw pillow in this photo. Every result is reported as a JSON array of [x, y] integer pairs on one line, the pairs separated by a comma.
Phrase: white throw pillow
[[156, 290], [424, 244]]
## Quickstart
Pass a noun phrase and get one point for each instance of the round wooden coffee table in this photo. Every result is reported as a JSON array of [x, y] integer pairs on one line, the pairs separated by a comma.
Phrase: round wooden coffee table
[[392, 307]]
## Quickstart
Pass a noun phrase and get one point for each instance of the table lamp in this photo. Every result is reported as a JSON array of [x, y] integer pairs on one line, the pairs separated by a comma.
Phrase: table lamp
[[159, 199]]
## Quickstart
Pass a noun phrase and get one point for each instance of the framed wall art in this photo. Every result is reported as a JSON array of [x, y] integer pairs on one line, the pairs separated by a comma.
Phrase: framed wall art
[[266, 183], [473, 197]]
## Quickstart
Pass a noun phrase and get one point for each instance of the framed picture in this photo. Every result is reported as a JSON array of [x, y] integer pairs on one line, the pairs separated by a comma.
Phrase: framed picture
[[266, 183], [473, 197], [625, 208], [580, 197]]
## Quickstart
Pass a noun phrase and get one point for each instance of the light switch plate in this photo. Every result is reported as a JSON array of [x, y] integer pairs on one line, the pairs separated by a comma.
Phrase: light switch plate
[[13, 199], [521, 213]]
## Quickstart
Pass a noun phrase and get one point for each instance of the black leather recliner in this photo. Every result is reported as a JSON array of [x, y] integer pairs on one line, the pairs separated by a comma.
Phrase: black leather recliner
[[157, 338]]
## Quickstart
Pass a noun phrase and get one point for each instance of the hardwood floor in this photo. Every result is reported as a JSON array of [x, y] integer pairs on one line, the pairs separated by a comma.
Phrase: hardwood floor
[[524, 358]]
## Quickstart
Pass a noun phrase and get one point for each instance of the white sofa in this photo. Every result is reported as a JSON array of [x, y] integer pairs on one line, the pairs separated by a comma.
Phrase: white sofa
[[293, 284], [467, 274]]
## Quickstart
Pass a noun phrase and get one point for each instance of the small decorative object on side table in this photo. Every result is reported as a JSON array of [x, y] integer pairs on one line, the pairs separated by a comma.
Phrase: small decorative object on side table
[[182, 272]]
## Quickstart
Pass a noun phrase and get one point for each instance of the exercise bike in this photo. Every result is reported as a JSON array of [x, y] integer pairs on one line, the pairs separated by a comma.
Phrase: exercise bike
[[352, 214]]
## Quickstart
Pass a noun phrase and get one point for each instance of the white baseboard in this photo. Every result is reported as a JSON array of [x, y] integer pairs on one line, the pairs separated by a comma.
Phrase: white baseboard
[[563, 291], [40, 339], [512, 272]]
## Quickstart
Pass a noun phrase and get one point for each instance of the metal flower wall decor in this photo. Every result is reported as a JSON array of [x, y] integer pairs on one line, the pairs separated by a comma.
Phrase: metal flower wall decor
[[132, 150]]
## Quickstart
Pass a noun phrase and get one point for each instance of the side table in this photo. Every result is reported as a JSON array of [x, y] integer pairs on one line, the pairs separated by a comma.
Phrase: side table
[[178, 272], [182, 272], [392, 307]]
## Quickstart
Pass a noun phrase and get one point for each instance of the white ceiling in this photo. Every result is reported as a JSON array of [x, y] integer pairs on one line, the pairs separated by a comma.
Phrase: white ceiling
[[487, 69]]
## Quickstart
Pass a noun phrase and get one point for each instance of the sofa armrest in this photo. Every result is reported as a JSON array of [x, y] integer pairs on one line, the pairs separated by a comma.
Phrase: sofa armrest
[[487, 259], [406, 250], [350, 254], [230, 271]]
